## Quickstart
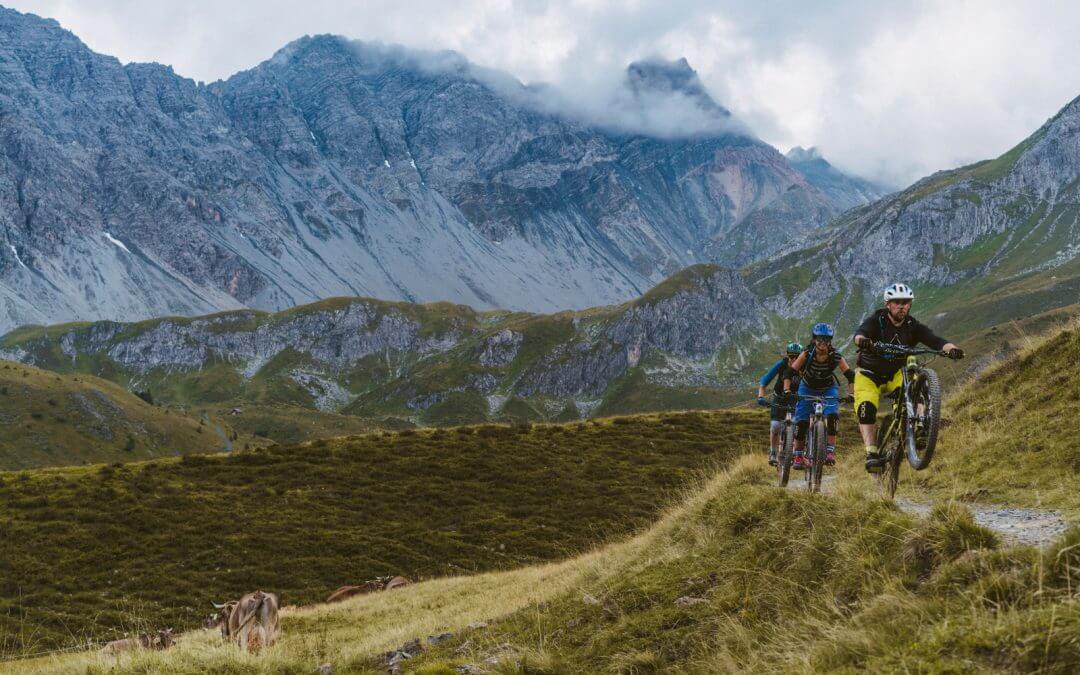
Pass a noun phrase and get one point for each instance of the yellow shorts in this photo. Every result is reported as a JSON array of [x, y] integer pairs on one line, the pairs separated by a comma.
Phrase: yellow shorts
[[868, 391]]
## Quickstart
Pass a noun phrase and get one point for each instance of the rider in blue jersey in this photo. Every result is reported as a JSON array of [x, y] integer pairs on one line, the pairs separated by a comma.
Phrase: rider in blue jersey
[[780, 371]]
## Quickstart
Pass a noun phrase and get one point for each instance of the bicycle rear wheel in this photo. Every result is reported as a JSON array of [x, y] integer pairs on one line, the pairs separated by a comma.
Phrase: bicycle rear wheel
[[920, 433], [783, 465], [889, 477]]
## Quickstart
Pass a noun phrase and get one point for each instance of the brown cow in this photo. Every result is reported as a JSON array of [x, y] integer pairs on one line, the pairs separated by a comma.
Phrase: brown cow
[[221, 617], [162, 640], [254, 622], [376, 584], [346, 592]]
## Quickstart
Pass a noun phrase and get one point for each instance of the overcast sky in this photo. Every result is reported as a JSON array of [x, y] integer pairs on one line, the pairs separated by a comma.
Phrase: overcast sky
[[888, 90]]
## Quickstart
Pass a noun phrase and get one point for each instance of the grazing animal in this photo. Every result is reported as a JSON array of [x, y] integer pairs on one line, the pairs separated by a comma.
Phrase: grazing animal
[[220, 617], [254, 622], [376, 584], [346, 592], [163, 639]]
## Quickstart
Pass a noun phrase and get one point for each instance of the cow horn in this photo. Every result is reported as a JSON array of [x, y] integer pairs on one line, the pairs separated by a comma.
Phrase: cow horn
[[217, 606]]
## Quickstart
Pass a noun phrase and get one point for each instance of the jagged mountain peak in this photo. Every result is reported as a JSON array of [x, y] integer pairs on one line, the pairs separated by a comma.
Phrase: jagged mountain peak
[[843, 188], [799, 154], [656, 77], [328, 48]]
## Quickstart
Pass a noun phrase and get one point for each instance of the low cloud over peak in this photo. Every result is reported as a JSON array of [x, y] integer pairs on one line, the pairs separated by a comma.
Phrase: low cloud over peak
[[889, 90]]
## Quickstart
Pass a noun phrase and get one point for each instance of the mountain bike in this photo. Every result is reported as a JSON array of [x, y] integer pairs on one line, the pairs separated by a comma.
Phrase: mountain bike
[[814, 453], [912, 427], [787, 440]]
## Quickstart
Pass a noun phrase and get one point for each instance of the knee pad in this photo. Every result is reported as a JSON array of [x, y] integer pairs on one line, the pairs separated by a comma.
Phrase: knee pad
[[774, 426], [831, 424], [867, 412], [800, 430]]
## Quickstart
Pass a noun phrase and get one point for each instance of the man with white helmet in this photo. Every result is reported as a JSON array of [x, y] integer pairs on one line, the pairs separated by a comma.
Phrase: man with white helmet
[[879, 373]]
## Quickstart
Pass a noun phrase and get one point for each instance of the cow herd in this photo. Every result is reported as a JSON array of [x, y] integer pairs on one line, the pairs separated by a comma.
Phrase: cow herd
[[251, 622]]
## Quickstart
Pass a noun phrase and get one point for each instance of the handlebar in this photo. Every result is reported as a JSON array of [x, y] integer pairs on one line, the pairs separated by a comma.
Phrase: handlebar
[[905, 351], [822, 399], [900, 350]]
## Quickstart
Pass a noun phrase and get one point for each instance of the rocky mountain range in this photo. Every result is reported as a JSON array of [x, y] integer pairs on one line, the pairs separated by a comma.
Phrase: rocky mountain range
[[984, 244], [343, 168]]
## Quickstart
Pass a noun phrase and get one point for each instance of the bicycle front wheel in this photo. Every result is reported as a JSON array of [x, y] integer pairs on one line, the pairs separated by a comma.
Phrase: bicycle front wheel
[[819, 456], [921, 430], [783, 466]]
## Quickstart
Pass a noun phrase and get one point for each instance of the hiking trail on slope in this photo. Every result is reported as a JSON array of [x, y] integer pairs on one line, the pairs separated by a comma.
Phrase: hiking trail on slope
[[1032, 527]]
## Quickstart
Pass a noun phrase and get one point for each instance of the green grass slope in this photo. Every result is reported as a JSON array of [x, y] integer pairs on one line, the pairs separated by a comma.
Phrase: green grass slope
[[91, 551], [781, 581], [1013, 436], [50, 419]]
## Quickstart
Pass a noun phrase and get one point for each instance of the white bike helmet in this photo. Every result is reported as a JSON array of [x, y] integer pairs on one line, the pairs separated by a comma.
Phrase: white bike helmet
[[898, 292]]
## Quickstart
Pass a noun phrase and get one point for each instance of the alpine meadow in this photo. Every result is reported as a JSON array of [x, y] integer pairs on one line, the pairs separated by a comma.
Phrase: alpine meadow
[[421, 338]]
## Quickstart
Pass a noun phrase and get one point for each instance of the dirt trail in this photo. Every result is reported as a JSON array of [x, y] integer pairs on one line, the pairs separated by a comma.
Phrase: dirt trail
[[1033, 527]]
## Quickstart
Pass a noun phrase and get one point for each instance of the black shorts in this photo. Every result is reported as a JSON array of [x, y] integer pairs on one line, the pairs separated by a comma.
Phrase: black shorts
[[778, 411]]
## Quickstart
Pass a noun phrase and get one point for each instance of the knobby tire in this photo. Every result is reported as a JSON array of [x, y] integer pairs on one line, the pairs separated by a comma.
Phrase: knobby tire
[[928, 393], [819, 455], [783, 466]]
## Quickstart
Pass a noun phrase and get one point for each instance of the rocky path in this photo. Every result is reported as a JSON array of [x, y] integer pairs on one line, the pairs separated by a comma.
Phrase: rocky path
[[1032, 527]]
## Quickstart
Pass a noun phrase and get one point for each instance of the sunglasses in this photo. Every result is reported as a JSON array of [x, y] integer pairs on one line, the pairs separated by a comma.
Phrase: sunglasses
[[903, 303]]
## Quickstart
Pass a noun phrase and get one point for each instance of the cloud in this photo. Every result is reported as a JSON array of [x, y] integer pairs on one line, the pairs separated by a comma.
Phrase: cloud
[[893, 91]]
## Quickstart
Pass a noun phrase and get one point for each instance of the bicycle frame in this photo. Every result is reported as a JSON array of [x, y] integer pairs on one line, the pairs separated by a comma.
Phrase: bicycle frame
[[815, 461], [900, 437], [903, 408]]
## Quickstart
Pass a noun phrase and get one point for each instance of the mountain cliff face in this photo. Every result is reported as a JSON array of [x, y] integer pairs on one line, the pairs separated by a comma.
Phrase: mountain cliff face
[[966, 236], [338, 168], [982, 245]]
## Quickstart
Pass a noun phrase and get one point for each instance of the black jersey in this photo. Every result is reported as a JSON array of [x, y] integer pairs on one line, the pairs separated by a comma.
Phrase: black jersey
[[819, 374], [879, 328]]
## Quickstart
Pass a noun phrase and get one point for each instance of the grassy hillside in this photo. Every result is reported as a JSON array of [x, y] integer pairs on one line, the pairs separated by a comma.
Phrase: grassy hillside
[[1013, 433], [781, 582], [50, 419], [90, 551]]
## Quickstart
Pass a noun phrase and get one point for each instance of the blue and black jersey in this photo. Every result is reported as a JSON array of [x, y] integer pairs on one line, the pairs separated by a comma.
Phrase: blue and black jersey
[[780, 370]]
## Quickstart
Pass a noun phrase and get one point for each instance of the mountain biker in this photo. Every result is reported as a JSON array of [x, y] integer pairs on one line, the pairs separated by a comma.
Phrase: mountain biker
[[780, 371], [816, 365], [880, 373]]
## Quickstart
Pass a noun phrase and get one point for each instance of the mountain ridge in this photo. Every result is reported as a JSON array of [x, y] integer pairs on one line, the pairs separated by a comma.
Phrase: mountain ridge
[[343, 168]]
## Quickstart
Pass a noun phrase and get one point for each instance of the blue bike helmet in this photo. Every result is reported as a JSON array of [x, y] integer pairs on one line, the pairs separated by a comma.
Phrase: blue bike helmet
[[822, 330], [794, 349]]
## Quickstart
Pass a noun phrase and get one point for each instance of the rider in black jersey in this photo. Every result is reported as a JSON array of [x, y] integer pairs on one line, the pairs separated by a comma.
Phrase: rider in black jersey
[[879, 373]]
